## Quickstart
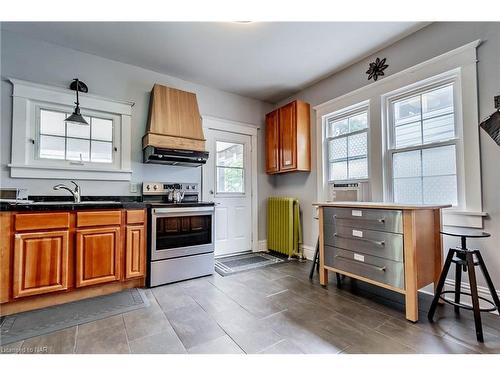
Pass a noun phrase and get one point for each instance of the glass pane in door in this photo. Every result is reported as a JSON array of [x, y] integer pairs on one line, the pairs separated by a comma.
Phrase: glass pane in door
[[229, 165]]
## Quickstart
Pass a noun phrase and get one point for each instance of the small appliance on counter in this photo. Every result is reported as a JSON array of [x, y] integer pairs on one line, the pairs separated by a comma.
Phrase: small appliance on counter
[[180, 232], [14, 195]]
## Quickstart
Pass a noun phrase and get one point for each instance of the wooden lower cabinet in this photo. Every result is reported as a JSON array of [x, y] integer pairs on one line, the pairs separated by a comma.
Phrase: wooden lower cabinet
[[49, 258], [135, 257], [97, 255], [40, 262]]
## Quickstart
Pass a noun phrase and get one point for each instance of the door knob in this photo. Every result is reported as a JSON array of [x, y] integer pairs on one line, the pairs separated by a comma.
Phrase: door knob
[[211, 192]]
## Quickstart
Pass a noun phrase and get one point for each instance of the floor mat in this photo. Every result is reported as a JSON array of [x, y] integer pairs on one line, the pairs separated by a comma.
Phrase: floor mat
[[240, 263], [29, 324]]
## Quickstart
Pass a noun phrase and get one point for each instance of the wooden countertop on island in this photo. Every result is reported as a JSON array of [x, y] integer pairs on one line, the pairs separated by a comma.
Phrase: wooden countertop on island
[[381, 205]]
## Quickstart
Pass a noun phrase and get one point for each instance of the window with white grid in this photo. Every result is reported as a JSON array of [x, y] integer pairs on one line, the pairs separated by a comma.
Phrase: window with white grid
[[347, 145], [423, 146], [58, 140]]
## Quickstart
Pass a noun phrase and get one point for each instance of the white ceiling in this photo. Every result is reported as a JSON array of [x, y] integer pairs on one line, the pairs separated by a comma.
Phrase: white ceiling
[[266, 61]]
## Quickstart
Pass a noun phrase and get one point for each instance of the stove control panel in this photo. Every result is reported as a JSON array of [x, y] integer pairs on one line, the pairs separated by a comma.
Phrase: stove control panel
[[163, 188]]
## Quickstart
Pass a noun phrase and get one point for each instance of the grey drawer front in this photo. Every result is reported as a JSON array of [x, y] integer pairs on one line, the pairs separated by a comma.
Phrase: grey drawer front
[[371, 218], [373, 268], [380, 244]]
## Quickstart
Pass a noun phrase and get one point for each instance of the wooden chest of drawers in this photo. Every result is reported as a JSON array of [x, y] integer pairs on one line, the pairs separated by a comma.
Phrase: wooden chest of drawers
[[396, 247]]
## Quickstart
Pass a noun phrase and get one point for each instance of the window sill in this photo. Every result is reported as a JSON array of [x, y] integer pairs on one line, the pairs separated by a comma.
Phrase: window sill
[[31, 171], [463, 218]]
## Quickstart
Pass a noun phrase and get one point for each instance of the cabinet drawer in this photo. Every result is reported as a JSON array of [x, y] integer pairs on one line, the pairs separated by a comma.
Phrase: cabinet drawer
[[376, 243], [53, 220], [375, 219], [382, 270], [98, 218], [135, 216]]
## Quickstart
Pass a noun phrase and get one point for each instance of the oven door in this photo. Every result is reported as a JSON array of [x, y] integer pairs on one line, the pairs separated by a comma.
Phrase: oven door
[[181, 231]]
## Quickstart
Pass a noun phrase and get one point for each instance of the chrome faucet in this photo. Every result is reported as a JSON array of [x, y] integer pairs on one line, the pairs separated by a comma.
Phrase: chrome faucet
[[75, 193]]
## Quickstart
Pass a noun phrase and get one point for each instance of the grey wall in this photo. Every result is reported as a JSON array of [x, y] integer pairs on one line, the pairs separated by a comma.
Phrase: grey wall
[[426, 43], [38, 61]]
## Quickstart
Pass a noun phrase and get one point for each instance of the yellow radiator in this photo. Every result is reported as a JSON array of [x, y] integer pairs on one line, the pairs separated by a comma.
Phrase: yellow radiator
[[283, 226]]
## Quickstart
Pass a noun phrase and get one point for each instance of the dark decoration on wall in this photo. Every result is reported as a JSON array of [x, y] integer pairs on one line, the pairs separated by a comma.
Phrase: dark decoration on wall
[[376, 69], [492, 126], [76, 117], [497, 102]]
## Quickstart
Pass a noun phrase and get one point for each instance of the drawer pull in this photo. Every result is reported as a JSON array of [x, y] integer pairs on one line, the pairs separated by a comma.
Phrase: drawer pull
[[378, 243], [381, 220], [381, 269]]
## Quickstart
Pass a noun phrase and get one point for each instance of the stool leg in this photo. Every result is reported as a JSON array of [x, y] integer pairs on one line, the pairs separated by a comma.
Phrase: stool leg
[[458, 282], [339, 280], [486, 274], [315, 260], [440, 284], [475, 298]]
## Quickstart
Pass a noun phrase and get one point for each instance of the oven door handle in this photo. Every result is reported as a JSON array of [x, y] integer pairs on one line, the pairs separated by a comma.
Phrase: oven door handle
[[159, 211]]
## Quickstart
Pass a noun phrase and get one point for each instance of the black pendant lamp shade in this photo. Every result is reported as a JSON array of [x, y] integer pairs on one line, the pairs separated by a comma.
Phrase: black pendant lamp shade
[[76, 117], [492, 126]]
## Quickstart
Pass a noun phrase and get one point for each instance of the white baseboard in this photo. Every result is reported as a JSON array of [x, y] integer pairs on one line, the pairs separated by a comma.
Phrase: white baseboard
[[482, 291], [308, 251], [262, 245]]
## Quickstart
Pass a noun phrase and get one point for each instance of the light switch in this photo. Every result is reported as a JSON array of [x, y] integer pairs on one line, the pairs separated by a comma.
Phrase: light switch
[[133, 187]]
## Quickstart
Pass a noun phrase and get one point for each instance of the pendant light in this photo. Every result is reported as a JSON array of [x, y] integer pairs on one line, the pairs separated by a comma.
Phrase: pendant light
[[76, 117]]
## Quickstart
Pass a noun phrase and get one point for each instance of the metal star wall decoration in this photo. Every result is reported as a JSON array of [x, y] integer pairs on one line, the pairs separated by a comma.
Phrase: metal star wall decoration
[[376, 69]]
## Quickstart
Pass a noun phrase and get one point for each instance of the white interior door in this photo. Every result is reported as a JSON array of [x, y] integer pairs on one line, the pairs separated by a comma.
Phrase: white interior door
[[227, 181]]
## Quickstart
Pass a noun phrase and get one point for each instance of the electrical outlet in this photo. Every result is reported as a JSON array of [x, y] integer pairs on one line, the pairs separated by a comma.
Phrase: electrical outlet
[[497, 101], [133, 187]]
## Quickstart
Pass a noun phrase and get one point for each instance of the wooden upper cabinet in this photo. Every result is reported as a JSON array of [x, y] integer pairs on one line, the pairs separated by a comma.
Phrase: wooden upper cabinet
[[97, 255], [135, 251], [288, 138], [272, 142], [40, 262]]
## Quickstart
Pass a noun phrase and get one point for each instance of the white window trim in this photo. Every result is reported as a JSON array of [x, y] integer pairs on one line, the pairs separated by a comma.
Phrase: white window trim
[[28, 97], [463, 60], [343, 113]]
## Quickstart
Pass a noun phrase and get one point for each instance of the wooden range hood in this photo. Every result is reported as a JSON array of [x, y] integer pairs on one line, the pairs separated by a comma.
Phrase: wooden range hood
[[174, 120]]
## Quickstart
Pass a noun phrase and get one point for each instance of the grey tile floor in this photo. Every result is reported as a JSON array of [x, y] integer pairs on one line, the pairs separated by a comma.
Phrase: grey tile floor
[[273, 310]]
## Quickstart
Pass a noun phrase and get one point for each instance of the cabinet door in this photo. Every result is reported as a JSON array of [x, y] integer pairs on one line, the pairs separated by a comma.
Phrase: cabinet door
[[135, 252], [40, 262], [272, 142], [288, 137], [97, 255]]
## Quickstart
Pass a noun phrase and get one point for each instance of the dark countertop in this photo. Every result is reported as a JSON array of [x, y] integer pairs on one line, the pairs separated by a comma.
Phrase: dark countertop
[[58, 203]]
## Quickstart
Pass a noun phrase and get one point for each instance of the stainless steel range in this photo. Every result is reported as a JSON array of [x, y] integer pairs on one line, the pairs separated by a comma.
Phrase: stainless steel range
[[180, 232]]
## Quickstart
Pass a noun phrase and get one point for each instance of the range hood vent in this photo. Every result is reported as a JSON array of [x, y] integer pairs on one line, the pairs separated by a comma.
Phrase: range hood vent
[[174, 134], [167, 156]]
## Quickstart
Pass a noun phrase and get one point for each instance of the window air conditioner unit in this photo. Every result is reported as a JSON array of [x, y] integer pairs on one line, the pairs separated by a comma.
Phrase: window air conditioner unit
[[349, 192]]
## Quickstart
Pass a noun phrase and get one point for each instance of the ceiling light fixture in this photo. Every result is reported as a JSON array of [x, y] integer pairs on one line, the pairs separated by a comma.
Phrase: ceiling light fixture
[[76, 117]]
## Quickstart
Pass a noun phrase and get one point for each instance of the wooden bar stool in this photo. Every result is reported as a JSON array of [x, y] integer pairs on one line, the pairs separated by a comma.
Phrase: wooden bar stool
[[465, 260]]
